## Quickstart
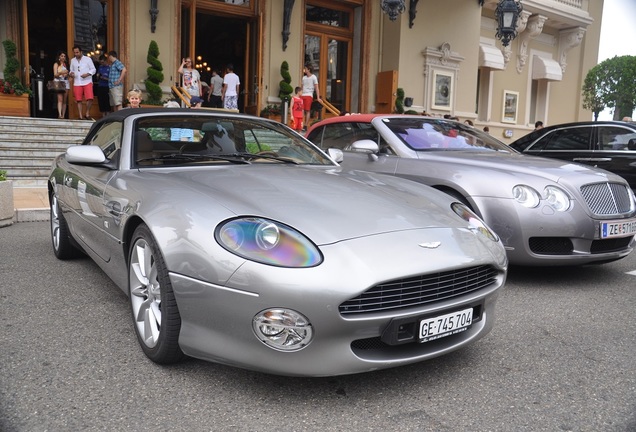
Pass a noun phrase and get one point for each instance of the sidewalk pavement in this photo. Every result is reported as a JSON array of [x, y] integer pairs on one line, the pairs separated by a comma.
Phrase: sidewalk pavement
[[31, 204]]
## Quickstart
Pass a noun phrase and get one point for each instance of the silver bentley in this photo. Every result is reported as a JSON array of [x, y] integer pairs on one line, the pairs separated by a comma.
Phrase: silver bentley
[[240, 242], [547, 212]]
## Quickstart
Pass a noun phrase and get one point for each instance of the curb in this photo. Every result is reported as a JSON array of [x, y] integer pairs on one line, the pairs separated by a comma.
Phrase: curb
[[32, 215]]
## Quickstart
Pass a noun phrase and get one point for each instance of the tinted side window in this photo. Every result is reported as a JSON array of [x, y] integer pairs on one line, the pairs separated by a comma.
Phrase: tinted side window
[[616, 138], [108, 138], [568, 139], [338, 135]]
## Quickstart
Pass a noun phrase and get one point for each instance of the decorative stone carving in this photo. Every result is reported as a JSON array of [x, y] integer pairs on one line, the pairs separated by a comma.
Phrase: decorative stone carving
[[569, 39], [522, 22], [534, 29], [440, 60]]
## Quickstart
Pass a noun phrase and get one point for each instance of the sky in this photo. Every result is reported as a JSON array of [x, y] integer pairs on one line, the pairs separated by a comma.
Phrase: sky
[[618, 34]]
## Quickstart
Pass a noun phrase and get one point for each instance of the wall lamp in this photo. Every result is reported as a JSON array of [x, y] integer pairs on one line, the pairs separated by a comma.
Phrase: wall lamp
[[154, 11], [393, 8], [507, 13]]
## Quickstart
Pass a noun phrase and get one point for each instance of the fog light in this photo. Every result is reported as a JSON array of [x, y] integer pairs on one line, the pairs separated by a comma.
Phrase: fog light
[[282, 329]]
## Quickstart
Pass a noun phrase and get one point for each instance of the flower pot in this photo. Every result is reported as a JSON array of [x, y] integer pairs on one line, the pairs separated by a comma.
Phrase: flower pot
[[13, 105], [7, 209]]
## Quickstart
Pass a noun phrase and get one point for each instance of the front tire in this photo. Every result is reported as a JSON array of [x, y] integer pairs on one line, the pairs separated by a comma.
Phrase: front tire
[[154, 309], [63, 247]]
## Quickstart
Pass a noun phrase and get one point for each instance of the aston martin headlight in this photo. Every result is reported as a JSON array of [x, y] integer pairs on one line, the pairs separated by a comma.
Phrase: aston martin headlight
[[526, 196], [282, 329], [557, 198], [268, 242], [475, 223]]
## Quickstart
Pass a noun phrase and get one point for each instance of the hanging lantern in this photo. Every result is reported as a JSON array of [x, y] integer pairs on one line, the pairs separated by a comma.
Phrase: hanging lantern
[[507, 13]]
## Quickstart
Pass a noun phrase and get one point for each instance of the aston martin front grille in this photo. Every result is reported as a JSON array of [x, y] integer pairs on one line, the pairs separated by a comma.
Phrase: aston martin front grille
[[420, 290], [607, 199]]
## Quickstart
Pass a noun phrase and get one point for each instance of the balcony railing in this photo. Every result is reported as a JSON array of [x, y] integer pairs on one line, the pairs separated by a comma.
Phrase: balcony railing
[[573, 3]]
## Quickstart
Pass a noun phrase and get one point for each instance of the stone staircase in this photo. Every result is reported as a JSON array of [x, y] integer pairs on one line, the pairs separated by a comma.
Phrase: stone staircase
[[28, 146]]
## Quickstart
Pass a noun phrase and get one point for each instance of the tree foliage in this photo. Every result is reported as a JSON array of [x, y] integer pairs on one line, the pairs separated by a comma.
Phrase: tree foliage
[[611, 84], [285, 88], [155, 75], [12, 68], [399, 101]]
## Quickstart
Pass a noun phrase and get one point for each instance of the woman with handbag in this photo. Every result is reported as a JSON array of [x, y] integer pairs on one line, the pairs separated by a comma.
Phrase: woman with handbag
[[60, 83]]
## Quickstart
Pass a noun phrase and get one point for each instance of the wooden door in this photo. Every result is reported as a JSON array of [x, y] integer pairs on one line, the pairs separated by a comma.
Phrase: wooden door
[[385, 91]]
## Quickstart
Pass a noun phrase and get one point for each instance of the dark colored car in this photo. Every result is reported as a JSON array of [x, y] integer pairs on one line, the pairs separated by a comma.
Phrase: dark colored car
[[610, 145]]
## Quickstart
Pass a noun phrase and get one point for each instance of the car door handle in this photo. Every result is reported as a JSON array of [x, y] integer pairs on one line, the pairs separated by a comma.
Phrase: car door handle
[[592, 159]]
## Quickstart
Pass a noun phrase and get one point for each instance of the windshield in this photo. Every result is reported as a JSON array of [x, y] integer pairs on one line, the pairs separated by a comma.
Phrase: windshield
[[427, 134], [179, 140]]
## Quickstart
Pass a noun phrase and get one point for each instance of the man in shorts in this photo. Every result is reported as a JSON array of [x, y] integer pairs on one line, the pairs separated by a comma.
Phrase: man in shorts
[[116, 81], [82, 71], [310, 85]]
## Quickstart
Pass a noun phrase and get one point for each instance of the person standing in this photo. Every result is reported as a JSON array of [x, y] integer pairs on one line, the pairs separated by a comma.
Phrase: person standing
[[297, 109], [230, 91], [103, 99], [60, 73], [191, 79], [82, 71], [116, 81], [310, 85], [216, 90]]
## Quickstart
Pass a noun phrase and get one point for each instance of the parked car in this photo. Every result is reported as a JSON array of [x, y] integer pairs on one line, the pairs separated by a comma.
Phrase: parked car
[[240, 242], [546, 212], [610, 145]]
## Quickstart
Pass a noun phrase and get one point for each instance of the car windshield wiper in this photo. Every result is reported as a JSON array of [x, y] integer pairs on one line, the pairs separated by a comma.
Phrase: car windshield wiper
[[264, 156], [194, 157]]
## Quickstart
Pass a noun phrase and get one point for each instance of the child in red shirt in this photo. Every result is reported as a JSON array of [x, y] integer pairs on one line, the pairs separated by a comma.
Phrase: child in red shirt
[[297, 110]]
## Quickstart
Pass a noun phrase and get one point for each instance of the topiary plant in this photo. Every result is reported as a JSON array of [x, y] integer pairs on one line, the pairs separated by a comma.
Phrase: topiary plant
[[285, 87], [399, 101], [11, 67], [3, 175], [155, 75]]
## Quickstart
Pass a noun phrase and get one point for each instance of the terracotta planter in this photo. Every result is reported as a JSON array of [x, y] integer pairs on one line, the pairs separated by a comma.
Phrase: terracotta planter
[[12, 105], [7, 209]]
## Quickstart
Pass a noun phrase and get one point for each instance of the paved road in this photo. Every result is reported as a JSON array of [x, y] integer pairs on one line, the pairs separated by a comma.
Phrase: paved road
[[562, 357]]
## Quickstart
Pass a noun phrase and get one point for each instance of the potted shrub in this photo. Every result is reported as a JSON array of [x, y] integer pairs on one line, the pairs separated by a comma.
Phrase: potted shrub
[[155, 76], [272, 111], [14, 96], [7, 209]]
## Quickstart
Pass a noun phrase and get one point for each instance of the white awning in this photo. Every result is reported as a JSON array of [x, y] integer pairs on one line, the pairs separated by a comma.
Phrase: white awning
[[546, 68], [491, 57]]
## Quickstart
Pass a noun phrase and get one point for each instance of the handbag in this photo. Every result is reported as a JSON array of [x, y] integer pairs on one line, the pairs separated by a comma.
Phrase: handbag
[[55, 85]]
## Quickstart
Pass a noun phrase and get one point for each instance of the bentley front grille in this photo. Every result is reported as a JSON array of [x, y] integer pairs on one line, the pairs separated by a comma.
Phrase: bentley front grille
[[607, 199]]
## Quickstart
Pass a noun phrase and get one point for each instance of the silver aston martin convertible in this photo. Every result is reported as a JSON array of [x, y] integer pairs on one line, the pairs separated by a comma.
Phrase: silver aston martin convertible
[[240, 242]]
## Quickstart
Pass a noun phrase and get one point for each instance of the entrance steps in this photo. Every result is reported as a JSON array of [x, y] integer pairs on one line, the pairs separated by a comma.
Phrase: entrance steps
[[28, 146]]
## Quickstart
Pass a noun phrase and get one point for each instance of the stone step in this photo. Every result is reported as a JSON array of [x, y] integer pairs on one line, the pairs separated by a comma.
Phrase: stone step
[[28, 146]]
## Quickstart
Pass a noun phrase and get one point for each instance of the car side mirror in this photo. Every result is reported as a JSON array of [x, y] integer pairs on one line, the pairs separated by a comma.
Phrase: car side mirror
[[631, 144], [365, 146], [85, 154], [335, 154]]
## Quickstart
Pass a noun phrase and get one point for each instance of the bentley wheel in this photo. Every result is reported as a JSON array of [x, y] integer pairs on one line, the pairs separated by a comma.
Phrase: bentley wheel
[[154, 308], [62, 245]]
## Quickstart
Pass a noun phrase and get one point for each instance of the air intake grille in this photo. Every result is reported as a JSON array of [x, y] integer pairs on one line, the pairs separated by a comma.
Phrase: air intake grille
[[420, 290], [607, 199]]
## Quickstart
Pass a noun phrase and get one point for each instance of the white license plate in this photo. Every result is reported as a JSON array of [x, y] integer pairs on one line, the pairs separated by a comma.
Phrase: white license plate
[[445, 325], [618, 228]]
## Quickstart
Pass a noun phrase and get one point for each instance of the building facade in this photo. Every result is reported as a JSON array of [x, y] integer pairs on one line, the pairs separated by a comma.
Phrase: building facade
[[444, 55]]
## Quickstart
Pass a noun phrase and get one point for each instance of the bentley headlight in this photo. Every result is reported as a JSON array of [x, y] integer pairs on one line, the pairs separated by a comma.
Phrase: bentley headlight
[[475, 223], [267, 242], [282, 329], [526, 196], [557, 198]]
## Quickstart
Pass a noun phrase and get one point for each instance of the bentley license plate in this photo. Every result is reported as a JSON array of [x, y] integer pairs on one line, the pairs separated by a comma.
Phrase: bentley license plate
[[445, 325], [618, 228]]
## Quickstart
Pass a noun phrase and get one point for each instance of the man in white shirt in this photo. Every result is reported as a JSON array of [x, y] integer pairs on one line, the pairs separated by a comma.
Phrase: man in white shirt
[[230, 91], [310, 85], [82, 71]]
